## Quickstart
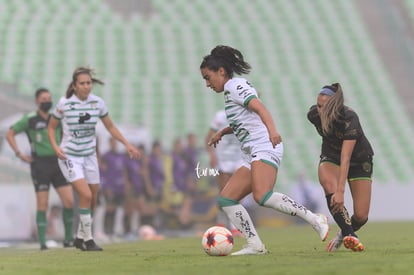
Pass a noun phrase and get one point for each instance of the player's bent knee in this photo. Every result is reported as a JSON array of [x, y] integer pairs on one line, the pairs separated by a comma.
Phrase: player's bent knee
[[223, 202]]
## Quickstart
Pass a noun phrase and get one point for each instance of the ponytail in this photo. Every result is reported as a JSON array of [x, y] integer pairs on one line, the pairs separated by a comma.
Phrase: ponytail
[[230, 59], [333, 107]]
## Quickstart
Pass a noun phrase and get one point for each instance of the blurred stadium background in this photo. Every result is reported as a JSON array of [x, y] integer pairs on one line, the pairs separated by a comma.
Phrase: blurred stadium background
[[148, 52]]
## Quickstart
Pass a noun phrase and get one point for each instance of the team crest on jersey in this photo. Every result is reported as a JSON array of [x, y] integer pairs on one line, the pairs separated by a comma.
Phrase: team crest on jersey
[[71, 174], [366, 166]]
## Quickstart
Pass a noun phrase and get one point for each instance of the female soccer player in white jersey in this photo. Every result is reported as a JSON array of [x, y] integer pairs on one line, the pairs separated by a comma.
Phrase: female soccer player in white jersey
[[79, 112], [261, 144]]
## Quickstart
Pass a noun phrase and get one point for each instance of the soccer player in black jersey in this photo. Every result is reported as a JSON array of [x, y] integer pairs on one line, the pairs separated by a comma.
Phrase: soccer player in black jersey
[[346, 155]]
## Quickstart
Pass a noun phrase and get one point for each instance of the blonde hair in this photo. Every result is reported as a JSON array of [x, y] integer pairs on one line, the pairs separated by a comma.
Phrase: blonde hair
[[78, 71], [331, 111]]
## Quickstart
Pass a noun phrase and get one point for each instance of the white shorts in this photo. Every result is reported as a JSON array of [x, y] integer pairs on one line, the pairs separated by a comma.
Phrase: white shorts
[[229, 166], [75, 168], [263, 151]]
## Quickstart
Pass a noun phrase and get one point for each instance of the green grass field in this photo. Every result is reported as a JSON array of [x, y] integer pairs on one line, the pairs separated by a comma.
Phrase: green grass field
[[294, 250]]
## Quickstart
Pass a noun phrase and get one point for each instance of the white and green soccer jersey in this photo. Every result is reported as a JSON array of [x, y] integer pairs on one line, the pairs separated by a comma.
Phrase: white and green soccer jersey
[[79, 120], [246, 124], [228, 149]]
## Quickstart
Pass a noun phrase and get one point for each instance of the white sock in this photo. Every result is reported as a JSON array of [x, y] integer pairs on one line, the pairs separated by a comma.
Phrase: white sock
[[285, 204], [85, 227], [238, 216]]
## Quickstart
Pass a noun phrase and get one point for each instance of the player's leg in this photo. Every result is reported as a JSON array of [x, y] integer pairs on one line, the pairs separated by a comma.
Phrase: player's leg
[[361, 195], [360, 183], [65, 193], [328, 173], [95, 193], [64, 190], [42, 198], [40, 178], [222, 219], [264, 175], [238, 186], [73, 170], [84, 232]]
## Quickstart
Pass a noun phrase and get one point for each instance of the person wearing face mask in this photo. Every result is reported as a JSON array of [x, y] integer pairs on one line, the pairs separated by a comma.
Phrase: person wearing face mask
[[44, 166]]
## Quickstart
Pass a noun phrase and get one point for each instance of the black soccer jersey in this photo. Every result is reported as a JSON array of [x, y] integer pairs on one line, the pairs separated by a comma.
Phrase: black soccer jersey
[[346, 128]]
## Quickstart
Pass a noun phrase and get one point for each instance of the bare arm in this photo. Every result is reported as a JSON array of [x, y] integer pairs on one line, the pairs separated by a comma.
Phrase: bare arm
[[210, 151], [256, 106], [51, 129], [115, 133], [10, 136], [215, 139], [337, 201]]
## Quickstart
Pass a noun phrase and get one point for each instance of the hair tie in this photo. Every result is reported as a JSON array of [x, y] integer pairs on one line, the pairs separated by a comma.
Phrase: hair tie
[[327, 91]]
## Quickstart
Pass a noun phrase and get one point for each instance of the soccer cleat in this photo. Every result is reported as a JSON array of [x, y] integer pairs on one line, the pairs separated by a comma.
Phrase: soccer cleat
[[321, 226], [68, 243], [351, 242], [335, 243], [79, 244], [92, 246], [44, 247], [249, 250]]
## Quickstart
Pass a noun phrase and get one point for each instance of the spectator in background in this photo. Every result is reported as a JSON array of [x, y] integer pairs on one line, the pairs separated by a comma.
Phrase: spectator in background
[[113, 184], [191, 156], [44, 167], [79, 112], [139, 189], [181, 183], [157, 175]]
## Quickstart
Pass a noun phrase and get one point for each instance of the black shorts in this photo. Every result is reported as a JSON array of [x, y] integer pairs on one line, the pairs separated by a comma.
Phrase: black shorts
[[46, 171], [357, 171]]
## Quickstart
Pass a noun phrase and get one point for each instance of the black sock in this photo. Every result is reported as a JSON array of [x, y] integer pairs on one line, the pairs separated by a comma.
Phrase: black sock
[[341, 218], [357, 225]]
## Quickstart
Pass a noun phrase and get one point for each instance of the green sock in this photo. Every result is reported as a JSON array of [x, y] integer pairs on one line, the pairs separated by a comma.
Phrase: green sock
[[41, 223], [68, 222]]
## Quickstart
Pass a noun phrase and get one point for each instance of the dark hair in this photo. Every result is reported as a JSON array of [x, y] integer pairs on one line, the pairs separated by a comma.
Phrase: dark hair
[[40, 91], [78, 71], [331, 111], [230, 59]]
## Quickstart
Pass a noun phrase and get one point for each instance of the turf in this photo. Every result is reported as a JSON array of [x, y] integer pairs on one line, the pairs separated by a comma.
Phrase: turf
[[294, 250]]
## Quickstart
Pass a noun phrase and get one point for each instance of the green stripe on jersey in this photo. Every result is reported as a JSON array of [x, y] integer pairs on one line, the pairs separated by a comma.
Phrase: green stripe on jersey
[[246, 102]]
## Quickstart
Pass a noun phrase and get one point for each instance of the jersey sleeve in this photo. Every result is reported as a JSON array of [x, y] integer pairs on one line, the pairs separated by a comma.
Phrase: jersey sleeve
[[21, 125], [58, 111], [103, 110], [241, 91]]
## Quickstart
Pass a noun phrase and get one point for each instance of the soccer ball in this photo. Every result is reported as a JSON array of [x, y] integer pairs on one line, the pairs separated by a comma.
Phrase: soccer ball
[[217, 241]]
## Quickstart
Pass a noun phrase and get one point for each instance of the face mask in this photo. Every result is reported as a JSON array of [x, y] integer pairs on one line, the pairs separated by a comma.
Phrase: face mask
[[45, 106]]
